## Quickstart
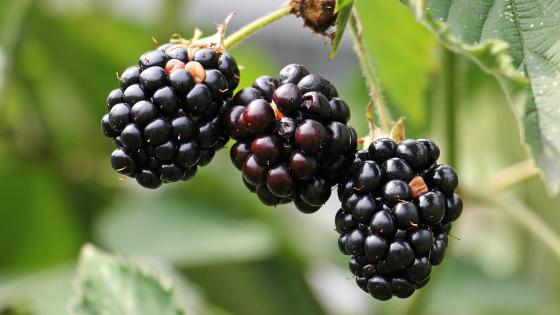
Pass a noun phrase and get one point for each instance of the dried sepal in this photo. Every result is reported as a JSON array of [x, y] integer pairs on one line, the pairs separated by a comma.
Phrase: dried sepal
[[418, 186], [318, 15]]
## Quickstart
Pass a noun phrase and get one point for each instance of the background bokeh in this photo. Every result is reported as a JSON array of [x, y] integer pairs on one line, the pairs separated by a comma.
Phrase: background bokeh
[[223, 251]]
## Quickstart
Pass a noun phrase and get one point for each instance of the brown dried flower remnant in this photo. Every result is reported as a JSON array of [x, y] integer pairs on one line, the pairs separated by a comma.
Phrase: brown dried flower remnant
[[418, 186], [318, 15]]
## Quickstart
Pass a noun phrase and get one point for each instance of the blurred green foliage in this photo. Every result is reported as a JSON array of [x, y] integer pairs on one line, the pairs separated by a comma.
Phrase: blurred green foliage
[[226, 253], [110, 285]]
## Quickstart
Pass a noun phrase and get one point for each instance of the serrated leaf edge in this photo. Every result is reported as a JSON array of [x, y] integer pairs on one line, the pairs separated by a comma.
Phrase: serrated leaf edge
[[513, 81], [495, 47], [88, 251]]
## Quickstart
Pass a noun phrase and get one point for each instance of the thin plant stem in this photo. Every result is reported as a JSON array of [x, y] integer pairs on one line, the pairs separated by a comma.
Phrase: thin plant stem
[[512, 175], [420, 301], [524, 216], [169, 18], [254, 26], [369, 73], [450, 104], [11, 33]]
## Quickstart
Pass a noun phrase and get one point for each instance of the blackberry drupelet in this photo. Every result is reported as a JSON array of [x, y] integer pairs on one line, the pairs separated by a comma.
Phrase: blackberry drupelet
[[398, 205], [166, 117], [292, 137]]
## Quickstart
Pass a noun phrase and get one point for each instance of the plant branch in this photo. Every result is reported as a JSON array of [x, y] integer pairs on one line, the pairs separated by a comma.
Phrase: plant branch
[[369, 73], [417, 303], [512, 175], [254, 26], [450, 103], [522, 214], [420, 301], [11, 33]]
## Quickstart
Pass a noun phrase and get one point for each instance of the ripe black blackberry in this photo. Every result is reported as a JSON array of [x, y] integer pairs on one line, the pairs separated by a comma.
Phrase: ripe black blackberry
[[165, 118], [292, 137], [398, 205]]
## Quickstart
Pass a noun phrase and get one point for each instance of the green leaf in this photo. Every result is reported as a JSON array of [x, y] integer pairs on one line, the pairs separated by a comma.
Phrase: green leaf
[[33, 199], [483, 294], [41, 293], [184, 232], [517, 41], [12, 18], [344, 9], [405, 62], [253, 62], [108, 285]]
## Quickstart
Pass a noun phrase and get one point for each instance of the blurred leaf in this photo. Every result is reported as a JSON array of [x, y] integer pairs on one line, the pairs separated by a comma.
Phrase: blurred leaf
[[42, 293], [107, 285], [481, 157], [169, 17], [13, 16], [344, 9], [253, 62], [511, 39], [479, 294], [275, 286], [205, 220], [186, 294], [47, 292], [15, 309], [184, 232], [69, 110], [403, 54], [88, 48], [37, 224]]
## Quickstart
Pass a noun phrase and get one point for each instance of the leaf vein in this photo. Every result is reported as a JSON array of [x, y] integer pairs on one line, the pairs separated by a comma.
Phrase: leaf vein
[[486, 19]]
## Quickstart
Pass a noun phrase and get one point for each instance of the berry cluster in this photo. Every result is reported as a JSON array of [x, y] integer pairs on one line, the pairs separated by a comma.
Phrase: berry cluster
[[165, 118], [175, 109], [397, 209], [292, 137]]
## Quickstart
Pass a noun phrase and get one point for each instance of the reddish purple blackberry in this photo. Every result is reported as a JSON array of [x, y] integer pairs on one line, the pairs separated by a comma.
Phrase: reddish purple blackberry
[[292, 137], [398, 205], [166, 117]]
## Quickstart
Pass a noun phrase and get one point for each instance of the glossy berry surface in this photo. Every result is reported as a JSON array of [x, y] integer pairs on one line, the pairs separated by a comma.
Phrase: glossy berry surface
[[398, 205], [292, 138], [166, 116]]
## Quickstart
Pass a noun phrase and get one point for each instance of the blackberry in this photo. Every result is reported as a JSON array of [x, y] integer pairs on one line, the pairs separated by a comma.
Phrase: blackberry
[[165, 118], [398, 205], [292, 137]]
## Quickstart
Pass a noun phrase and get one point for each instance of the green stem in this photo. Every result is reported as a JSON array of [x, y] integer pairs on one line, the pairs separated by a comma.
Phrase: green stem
[[523, 215], [11, 32], [513, 175], [169, 17], [369, 73], [420, 301], [254, 26], [450, 103]]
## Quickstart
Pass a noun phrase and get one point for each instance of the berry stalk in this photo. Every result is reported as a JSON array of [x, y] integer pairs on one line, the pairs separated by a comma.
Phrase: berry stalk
[[450, 103], [369, 73], [513, 175], [254, 26], [12, 34], [524, 216]]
